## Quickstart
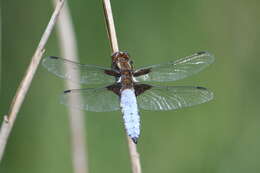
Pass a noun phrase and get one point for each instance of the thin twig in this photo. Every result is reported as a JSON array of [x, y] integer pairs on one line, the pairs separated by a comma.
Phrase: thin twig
[[18, 99], [110, 26], [134, 155], [68, 48]]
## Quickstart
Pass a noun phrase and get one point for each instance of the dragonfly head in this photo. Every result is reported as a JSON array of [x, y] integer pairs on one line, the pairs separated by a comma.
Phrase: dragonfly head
[[122, 60]]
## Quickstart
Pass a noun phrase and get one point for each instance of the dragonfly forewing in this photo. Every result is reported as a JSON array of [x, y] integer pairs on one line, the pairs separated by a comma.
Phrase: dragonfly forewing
[[89, 74], [176, 70]]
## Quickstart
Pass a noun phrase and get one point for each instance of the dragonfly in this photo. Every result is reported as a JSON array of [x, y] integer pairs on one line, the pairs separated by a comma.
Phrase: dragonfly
[[127, 89]]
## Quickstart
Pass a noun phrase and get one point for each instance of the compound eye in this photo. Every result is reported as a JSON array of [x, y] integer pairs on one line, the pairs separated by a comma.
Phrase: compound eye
[[125, 54]]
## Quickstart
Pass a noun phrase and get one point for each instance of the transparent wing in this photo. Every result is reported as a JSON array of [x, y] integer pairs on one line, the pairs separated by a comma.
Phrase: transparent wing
[[93, 99], [89, 74], [176, 70], [170, 98]]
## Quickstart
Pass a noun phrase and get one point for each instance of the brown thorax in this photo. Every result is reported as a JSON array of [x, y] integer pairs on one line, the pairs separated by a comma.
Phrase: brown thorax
[[122, 63]]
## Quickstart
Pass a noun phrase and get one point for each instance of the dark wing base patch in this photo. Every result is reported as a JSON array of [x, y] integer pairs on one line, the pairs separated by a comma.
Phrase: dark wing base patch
[[115, 88], [141, 88]]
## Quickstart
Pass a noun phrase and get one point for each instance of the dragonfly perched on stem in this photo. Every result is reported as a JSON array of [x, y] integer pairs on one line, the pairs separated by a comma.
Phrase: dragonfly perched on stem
[[124, 90]]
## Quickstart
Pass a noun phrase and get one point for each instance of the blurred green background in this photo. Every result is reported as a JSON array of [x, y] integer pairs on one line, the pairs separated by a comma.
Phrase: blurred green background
[[221, 136]]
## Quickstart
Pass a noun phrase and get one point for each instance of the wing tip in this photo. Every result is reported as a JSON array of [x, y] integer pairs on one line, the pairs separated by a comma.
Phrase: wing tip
[[46, 60], [201, 52], [207, 92], [66, 91], [53, 57], [201, 88], [206, 53]]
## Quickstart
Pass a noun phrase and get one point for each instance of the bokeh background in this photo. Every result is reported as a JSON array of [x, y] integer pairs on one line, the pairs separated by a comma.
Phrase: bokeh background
[[221, 136]]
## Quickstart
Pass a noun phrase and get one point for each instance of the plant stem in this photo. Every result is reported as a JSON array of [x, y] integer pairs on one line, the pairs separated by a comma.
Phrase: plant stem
[[21, 92], [110, 26], [68, 46], [133, 153]]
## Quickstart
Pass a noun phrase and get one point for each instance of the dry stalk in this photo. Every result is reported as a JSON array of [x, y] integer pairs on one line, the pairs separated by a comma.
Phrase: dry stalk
[[133, 153], [68, 46], [21, 92]]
